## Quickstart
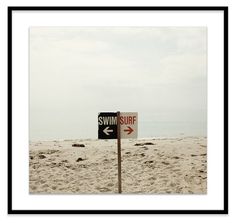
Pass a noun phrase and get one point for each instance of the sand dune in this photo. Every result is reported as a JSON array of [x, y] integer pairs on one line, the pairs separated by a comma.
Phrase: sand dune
[[160, 166]]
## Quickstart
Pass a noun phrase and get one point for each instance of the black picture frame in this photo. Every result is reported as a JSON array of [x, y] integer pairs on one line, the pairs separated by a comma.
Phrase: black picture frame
[[224, 9]]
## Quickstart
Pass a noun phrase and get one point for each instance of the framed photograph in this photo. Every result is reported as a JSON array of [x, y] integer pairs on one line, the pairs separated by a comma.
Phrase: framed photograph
[[117, 110]]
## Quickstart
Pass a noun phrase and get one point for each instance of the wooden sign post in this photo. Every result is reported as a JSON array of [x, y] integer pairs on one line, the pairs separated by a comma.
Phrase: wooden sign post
[[119, 153]]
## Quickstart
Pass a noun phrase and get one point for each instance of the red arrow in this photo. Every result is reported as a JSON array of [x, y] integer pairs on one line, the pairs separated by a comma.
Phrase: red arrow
[[129, 130]]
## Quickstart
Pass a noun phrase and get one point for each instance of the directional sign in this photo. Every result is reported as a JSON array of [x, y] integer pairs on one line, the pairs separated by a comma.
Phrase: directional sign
[[107, 125], [128, 125]]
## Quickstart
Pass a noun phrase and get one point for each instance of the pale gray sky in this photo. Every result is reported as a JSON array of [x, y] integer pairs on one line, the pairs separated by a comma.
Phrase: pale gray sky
[[76, 72]]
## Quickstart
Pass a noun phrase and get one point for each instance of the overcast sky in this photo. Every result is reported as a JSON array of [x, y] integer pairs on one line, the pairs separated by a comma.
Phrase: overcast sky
[[76, 72]]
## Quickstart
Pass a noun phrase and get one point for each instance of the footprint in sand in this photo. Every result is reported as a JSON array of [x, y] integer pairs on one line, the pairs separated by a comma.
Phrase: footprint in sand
[[45, 185], [103, 189], [176, 170], [33, 187], [162, 176], [166, 163], [54, 187]]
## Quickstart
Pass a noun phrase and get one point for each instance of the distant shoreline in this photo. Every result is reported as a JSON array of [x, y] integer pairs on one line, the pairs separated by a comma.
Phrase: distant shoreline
[[141, 138]]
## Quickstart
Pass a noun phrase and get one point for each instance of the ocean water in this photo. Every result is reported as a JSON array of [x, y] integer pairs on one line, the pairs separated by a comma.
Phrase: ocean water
[[145, 130], [169, 129]]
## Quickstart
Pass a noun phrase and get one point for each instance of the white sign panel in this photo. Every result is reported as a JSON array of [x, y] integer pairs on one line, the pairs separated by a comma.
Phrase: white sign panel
[[129, 125]]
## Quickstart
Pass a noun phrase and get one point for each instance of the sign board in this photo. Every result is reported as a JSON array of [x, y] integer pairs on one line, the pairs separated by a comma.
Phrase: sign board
[[128, 125], [107, 125]]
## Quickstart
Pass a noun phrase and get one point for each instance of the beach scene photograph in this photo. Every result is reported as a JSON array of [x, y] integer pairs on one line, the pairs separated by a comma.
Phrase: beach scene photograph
[[118, 110]]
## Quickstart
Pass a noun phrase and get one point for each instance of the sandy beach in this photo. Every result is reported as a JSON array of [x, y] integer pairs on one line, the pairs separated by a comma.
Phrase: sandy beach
[[154, 166]]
